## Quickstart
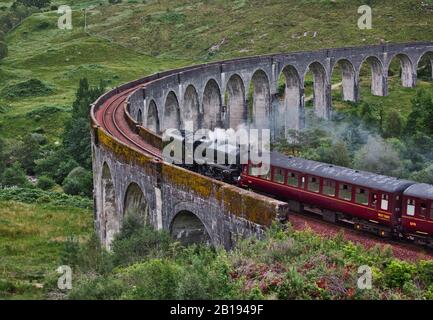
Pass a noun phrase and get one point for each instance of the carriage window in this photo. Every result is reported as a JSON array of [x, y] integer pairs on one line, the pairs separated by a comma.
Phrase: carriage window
[[254, 169], [329, 187], [302, 182], [265, 172], [313, 184], [346, 192], [292, 179], [384, 202], [410, 207], [361, 196], [431, 212], [423, 210], [278, 175]]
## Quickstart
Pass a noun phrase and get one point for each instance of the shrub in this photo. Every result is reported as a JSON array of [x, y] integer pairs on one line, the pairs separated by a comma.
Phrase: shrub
[[55, 164], [154, 280], [29, 88], [295, 286], [15, 176], [134, 245], [28, 195], [394, 124], [397, 273], [45, 183], [425, 272], [3, 50], [34, 3], [100, 288], [78, 182]]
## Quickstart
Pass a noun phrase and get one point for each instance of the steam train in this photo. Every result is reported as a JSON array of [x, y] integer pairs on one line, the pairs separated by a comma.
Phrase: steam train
[[386, 206]]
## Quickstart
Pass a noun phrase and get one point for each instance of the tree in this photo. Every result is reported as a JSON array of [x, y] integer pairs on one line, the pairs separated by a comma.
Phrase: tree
[[336, 154], [420, 119], [78, 182], [372, 114], [394, 124], [378, 157], [14, 176], [45, 183], [29, 151], [55, 163], [425, 175], [77, 131]]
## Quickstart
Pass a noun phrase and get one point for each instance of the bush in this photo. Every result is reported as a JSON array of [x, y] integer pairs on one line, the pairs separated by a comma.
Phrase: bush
[[45, 183], [3, 50], [55, 164], [425, 272], [34, 3], [101, 288], [29, 88], [134, 245], [394, 124], [397, 273], [28, 195], [154, 280], [78, 182], [15, 176]]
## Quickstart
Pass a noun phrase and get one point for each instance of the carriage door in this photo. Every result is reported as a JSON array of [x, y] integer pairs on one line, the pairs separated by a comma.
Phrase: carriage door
[[374, 199]]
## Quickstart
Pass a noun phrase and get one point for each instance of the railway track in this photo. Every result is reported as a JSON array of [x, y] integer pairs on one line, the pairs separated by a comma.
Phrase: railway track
[[112, 117]]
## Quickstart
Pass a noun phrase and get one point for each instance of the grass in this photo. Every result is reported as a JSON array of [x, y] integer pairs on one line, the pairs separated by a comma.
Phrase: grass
[[31, 238], [61, 58]]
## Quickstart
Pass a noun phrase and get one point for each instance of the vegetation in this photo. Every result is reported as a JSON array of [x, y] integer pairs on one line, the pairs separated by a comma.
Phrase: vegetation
[[286, 264], [368, 136], [32, 237], [34, 3]]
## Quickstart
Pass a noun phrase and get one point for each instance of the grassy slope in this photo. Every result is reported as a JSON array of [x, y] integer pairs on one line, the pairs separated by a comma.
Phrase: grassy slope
[[60, 59], [31, 237], [178, 33]]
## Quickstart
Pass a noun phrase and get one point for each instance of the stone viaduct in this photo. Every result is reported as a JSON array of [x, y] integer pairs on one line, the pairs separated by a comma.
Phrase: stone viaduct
[[130, 175]]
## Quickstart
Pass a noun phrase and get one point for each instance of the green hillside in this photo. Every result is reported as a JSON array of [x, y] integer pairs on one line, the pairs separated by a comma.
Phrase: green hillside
[[158, 35]]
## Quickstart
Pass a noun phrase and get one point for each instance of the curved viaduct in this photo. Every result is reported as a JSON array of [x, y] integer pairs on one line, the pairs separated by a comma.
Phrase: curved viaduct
[[130, 176]]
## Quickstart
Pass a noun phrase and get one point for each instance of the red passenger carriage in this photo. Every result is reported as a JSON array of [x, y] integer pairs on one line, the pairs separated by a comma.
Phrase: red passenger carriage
[[366, 200], [417, 217]]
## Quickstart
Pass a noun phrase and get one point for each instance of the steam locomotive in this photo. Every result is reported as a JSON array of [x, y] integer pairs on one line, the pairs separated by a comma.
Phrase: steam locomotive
[[386, 206], [217, 159]]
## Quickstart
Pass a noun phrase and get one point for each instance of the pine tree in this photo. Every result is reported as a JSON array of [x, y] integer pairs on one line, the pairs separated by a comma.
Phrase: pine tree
[[421, 117], [77, 131]]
